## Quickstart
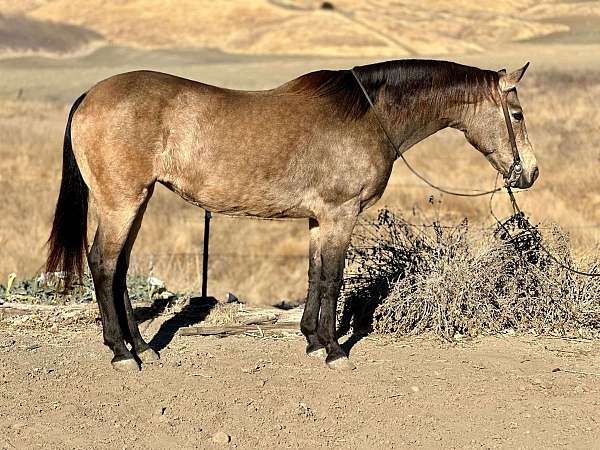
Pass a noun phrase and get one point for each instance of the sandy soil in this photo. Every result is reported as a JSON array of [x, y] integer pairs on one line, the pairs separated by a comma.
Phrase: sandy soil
[[57, 390]]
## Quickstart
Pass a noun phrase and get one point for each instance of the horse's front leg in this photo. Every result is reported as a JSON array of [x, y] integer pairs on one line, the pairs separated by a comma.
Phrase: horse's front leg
[[335, 237], [310, 317]]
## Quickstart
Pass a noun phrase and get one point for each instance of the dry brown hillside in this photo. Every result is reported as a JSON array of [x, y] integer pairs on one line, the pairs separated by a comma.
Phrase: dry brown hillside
[[24, 35], [340, 27]]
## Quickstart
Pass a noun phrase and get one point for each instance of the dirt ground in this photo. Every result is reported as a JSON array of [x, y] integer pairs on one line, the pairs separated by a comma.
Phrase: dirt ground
[[58, 390]]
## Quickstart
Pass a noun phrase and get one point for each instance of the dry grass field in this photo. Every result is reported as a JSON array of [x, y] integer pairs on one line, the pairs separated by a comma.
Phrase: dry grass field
[[264, 262]]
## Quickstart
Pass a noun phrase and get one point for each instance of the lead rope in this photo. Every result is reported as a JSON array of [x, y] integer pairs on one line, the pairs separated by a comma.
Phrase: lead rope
[[515, 169], [528, 227]]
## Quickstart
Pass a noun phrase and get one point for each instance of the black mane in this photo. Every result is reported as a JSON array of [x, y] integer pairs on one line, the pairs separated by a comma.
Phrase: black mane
[[419, 85]]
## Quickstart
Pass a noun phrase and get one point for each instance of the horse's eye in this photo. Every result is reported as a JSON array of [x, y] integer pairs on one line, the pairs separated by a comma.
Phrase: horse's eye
[[518, 116]]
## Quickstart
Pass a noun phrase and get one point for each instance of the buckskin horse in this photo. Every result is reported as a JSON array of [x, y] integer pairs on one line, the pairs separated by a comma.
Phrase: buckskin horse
[[320, 147]]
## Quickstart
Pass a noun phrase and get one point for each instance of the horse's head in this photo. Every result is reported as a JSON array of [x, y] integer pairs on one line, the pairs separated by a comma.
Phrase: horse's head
[[488, 131]]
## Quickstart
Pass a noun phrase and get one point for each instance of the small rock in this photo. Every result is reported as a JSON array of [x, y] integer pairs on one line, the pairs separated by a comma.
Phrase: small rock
[[159, 411], [156, 282], [19, 425], [5, 343], [415, 389], [304, 410], [221, 438]]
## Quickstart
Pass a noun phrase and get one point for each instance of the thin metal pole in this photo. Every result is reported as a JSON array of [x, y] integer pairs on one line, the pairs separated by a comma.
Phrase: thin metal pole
[[207, 217]]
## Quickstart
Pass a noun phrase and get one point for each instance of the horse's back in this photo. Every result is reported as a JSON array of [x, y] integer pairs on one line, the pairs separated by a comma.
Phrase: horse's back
[[135, 100], [138, 84]]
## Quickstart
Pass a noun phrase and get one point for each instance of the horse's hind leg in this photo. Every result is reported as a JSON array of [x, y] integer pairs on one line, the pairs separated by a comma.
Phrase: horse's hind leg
[[114, 226], [131, 330], [310, 317]]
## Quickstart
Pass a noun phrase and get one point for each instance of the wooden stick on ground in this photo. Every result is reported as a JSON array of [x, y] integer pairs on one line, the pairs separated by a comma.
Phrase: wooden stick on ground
[[229, 330]]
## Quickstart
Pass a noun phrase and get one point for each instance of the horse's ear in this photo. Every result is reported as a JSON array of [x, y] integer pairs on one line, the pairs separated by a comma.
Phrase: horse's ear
[[510, 81]]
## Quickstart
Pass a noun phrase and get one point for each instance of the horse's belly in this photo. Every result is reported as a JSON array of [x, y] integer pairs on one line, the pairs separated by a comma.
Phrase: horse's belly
[[232, 197]]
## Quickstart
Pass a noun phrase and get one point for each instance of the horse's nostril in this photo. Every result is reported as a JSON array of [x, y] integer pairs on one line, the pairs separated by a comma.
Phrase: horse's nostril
[[535, 174]]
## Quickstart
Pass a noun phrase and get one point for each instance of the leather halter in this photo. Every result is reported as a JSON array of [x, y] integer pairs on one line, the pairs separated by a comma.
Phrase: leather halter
[[515, 169]]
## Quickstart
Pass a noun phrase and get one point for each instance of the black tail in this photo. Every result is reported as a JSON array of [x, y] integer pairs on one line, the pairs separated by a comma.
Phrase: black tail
[[68, 239]]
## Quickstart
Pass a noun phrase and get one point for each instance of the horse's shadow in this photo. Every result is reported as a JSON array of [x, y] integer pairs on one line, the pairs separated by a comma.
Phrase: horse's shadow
[[195, 311], [357, 319]]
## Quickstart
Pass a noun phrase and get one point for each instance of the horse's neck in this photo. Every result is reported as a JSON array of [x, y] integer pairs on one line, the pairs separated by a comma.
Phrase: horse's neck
[[408, 128], [407, 132], [419, 133]]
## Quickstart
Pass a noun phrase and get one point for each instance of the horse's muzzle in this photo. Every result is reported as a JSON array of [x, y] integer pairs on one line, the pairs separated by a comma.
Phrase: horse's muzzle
[[527, 178]]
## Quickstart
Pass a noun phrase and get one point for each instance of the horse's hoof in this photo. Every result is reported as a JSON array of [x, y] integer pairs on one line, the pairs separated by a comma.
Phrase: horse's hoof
[[126, 365], [148, 356], [342, 364], [319, 353]]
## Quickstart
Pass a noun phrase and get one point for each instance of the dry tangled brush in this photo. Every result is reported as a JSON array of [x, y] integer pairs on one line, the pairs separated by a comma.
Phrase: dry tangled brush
[[453, 280]]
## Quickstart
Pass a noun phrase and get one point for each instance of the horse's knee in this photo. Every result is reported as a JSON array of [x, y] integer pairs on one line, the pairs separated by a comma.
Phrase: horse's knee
[[307, 329]]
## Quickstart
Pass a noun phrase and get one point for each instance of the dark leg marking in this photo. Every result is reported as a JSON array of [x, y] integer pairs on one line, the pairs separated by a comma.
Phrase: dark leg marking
[[310, 317], [127, 318], [335, 238], [103, 260]]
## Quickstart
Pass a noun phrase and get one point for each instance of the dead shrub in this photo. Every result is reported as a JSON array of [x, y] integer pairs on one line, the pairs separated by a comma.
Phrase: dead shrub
[[407, 279]]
